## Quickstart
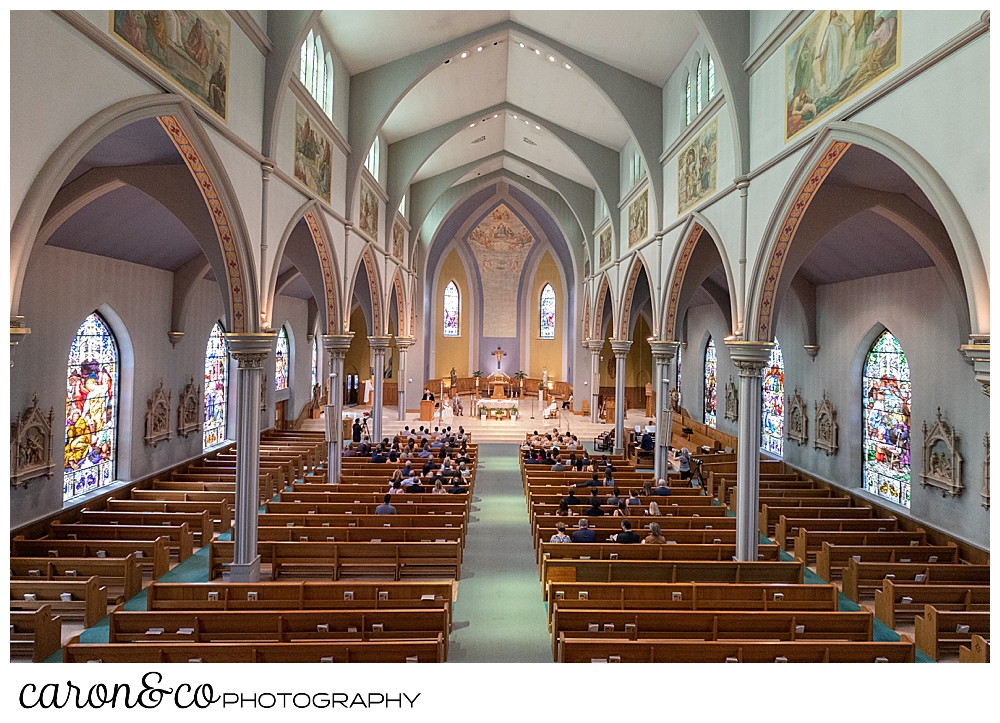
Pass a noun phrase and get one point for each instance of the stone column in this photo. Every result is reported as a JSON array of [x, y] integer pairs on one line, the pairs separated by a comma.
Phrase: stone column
[[336, 346], [620, 348], [663, 352], [378, 344], [251, 351], [402, 343], [595, 346], [750, 357]]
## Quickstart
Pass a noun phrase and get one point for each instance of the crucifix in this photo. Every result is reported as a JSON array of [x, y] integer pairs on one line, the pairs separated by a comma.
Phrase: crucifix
[[499, 354]]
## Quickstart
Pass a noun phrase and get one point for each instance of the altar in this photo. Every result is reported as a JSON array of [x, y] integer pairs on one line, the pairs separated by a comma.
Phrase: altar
[[497, 408]]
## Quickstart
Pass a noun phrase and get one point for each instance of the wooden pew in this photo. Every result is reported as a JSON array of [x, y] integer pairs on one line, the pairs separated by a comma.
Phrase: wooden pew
[[186, 495], [978, 651], [808, 542], [550, 552], [200, 523], [720, 486], [672, 571], [937, 629], [35, 633], [221, 513], [151, 554], [180, 538], [788, 527], [832, 558], [906, 600], [120, 576], [542, 510], [770, 513], [401, 651], [354, 534], [572, 650], [604, 625], [281, 517], [88, 599], [867, 577], [640, 527]]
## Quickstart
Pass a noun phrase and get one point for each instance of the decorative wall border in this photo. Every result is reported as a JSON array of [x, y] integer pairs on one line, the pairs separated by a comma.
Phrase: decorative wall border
[[803, 198], [223, 229], [374, 290], [602, 294], [683, 260], [326, 266], [586, 317], [633, 279], [397, 286]]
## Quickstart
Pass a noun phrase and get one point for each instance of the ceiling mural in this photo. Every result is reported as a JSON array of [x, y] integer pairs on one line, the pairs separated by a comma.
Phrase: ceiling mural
[[500, 243]]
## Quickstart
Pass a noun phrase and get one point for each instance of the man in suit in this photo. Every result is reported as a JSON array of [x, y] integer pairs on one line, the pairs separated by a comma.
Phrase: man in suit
[[626, 535], [428, 396], [583, 533]]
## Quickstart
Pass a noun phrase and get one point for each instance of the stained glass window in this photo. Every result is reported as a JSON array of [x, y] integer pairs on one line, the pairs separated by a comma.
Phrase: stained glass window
[[697, 84], [281, 361], [315, 361], [711, 372], [451, 308], [216, 387], [687, 101], [772, 403], [887, 420], [91, 408], [711, 78], [680, 351], [548, 312]]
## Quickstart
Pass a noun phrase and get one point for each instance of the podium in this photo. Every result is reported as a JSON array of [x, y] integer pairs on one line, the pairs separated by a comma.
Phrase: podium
[[498, 391], [426, 410], [609, 411]]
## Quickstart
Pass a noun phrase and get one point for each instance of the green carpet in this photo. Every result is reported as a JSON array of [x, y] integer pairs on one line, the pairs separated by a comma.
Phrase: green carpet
[[499, 616]]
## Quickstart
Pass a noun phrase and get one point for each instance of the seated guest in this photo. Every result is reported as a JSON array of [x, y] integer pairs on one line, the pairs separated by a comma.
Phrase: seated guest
[[377, 456], [655, 537], [385, 508], [438, 488], [595, 499], [463, 470], [661, 488], [621, 509], [456, 488], [592, 482], [595, 509], [609, 480], [571, 498], [626, 536], [563, 510], [646, 444], [397, 488], [633, 498], [616, 497], [560, 535], [456, 406], [573, 443], [350, 452], [393, 456], [425, 452], [568, 404], [558, 466], [654, 510], [586, 464], [416, 486], [583, 533], [407, 481], [428, 467]]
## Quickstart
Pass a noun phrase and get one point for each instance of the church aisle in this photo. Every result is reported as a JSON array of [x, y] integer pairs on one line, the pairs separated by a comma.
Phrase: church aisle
[[499, 615]]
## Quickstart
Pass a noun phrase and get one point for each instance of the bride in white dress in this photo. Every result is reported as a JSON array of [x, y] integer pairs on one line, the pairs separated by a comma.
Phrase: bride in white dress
[[446, 411]]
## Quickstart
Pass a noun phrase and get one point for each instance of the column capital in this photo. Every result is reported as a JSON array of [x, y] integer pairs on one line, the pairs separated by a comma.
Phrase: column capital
[[404, 342], [663, 351], [595, 345], [620, 347], [338, 344], [749, 356], [379, 343], [976, 353], [250, 350]]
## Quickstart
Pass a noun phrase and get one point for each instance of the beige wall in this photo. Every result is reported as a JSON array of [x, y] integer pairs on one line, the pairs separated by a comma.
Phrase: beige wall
[[546, 353], [452, 351]]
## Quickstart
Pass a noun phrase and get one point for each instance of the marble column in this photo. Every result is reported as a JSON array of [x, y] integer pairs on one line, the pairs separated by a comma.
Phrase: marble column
[[251, 352], [402, 343], [750, 357], [595, 346], [663, 353], [620, 348], [336, 346], [379, 344]]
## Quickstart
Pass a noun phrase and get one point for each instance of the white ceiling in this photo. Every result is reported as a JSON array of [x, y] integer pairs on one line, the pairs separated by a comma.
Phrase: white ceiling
[[511, 164]]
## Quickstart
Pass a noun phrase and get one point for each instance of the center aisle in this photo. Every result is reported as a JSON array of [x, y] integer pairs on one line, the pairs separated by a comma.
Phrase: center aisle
[[499, 616]]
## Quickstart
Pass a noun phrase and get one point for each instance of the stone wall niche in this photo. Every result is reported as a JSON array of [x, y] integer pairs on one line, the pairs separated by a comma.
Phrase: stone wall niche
[[798, 421], [827, 430], [942, 464], [189, 416], [158, 417], [31, 445]]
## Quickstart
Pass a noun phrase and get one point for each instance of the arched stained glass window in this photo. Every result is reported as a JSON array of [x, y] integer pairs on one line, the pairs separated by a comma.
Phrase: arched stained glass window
[[451, 309], [216, 387], [711, 374], [281, 361], [547, 312], [687, 101], [316, 72], [91, 408], [315, 361], [697, 84], [680, 352], [711, 78], [887, 420], [772, 403]]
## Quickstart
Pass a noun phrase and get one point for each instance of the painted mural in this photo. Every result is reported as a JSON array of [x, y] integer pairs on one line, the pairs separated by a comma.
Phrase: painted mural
[[189, 47], [398, 234], [368, 211], [500, 243], [698, 167], [838, 54], [605, 246], [313, 155], [638, 219]]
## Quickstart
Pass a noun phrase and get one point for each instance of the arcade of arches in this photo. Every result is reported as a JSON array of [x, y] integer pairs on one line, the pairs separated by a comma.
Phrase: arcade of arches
[[281, 225]]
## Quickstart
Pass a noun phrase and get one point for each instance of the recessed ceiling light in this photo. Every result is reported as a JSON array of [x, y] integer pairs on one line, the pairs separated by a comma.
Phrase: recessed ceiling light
[[465, 55], [515, 117], [521, 44], [552, 58], [471, 125], [538, 128], [566, 65], [495, 115], [526, 123], [537, 51], [479, 49]]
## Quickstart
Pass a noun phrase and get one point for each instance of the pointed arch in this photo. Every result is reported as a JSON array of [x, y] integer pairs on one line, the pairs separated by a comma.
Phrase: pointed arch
[[366, 262], [398, 290], [180, 121], [638, 266], [829, 146], [602, 295]]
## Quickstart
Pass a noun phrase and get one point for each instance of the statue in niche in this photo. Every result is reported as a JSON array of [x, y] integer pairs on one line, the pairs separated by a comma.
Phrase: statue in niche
[[732, 401], [454, 379], [31, 445], [826, 426], [798, 422], [157, 417], [942, 462]]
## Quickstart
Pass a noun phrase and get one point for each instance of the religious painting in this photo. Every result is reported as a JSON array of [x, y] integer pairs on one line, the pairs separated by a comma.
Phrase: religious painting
[[500, 243], [605, 246], [313, 155], [189, 47], [698, 167], [838, 54], [368, 212], [398, 235], [638, 219]]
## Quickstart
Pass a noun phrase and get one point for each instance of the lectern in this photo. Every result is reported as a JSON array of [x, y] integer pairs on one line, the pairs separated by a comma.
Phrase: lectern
[[426, 410]]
